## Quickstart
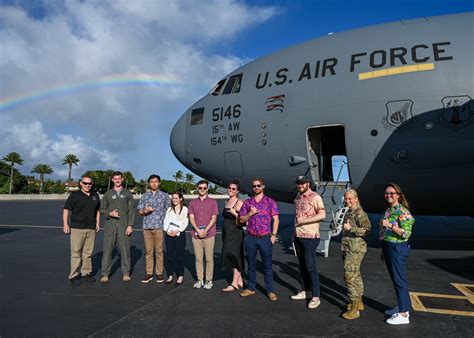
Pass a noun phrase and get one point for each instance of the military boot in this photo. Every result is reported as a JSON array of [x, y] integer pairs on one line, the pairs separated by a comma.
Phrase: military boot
[[353, 313], [360, 306]]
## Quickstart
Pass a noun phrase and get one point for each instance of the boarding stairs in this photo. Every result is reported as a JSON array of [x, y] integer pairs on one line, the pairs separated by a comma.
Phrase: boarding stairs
[[332, 194]]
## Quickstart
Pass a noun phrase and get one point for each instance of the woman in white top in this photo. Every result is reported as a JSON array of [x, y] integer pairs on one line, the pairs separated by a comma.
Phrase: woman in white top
[[175, 223]]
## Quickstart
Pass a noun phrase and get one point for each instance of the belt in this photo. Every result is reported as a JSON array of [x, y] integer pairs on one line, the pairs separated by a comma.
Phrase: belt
[[259, 236]]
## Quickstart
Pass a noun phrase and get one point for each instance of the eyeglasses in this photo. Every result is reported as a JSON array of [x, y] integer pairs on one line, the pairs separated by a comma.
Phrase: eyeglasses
[[87, 183], [390, 193], [231, 188], [202, 188], [256, 186]]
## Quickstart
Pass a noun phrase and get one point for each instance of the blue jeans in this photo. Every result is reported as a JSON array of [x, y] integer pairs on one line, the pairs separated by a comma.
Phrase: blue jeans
[[395, 256], [265, 247], [306, 252]]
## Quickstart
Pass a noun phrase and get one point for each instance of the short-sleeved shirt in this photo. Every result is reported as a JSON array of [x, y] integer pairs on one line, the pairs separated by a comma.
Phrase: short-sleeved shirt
[[401, 217], [261, 223], [307, 206], [83, 209], [203, 212], [160, 201]]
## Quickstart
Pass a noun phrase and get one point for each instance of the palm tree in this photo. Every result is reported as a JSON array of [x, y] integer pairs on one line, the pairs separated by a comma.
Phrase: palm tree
[[178, 177], [189, 180], [12, 158], [70, 159], [42, 169]]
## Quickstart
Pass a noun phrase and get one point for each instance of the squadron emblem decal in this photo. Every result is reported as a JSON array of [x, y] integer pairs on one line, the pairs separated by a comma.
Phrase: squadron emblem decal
[[399, 114], [275, 103], [457, 112]]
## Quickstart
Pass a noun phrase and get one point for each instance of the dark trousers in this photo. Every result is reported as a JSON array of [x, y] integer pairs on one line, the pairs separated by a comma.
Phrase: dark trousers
[[175, 254], [395, 256], [306, 252], [265, 247]]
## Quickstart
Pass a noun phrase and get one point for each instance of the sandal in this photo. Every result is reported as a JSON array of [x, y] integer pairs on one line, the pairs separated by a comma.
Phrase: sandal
[[230, 288]]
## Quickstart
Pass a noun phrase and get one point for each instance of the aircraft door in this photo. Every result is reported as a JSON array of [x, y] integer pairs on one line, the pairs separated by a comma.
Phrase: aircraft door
[[326, 146]]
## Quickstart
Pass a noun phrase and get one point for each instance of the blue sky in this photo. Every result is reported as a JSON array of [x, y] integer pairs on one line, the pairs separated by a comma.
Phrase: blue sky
[[106, 80]]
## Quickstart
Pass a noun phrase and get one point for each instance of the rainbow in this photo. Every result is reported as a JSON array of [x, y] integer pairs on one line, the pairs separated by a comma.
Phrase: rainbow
[[64, 89]]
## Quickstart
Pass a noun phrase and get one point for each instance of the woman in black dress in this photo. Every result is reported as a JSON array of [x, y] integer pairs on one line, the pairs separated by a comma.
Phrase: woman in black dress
[[233, 238]]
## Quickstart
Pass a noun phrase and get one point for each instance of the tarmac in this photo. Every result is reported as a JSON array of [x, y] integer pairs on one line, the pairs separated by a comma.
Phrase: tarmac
[[37, 300]]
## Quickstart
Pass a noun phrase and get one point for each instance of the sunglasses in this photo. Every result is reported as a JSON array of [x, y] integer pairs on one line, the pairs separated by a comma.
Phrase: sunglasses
[[87, 183], [202, 188], [256, 186], [232, 188], [390, 193]]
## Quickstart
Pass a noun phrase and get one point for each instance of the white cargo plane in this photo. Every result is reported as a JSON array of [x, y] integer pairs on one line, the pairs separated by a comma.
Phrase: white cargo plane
[[394, 100]]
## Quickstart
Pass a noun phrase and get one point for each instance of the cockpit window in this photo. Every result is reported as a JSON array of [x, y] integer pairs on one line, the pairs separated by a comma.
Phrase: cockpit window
[[197, 116], [233, 85], [217, 88]]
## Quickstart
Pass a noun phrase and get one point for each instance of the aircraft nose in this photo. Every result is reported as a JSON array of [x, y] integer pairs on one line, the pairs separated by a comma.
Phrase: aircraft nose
[[177, 139]]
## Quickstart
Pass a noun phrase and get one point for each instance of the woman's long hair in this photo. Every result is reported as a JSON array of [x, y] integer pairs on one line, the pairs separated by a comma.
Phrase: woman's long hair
[[401, 196]]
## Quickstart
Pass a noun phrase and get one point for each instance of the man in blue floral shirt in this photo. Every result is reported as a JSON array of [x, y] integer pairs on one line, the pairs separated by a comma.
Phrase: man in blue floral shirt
[[153, 206]]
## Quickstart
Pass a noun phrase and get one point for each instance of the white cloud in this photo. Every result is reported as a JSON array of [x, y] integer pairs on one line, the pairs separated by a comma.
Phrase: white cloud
[[74, 42], [36, 146]]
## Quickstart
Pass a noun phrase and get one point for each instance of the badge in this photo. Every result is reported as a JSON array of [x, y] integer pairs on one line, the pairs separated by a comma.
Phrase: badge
[[457, 112], [399, 114], [114, 197]]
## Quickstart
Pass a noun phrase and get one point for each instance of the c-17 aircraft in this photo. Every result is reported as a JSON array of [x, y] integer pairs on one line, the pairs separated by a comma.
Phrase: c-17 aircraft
[[394, 100]]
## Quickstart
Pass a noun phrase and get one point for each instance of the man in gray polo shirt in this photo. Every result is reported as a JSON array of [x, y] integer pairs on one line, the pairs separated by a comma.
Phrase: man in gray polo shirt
[[153, 206]]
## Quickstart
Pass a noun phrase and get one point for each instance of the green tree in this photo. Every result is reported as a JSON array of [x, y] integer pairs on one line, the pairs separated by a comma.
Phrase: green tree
[[70, 159], [12, 158], [42, 170], [178, 177], [189, 181], [101, 179], [20, 182], [128, 179]]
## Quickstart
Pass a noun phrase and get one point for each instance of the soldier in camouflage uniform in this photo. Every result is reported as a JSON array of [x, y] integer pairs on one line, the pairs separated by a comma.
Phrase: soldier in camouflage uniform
[[356, 226]]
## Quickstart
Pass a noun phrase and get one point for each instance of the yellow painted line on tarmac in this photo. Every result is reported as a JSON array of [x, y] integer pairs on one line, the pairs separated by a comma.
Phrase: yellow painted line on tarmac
[[468, 295]]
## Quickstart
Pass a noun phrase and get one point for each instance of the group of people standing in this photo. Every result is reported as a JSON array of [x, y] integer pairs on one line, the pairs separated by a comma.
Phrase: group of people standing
[[166, 220]]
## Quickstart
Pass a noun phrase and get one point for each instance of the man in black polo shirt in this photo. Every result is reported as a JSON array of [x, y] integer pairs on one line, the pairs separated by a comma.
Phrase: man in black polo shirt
[[84, 208]]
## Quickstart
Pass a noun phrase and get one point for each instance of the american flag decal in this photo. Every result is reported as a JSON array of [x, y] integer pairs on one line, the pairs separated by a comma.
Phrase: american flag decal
[[275, 103]]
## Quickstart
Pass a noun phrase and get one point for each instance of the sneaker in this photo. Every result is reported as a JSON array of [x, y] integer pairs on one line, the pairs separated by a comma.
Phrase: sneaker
[[104, 279], [159, 279], [147, 278], [88, 278], [391, 312], [199, 284], [272, 296], [246, 293], [398, 319], [75, 280], [126, 278], [299, 296], [314, 303], [208, 285]]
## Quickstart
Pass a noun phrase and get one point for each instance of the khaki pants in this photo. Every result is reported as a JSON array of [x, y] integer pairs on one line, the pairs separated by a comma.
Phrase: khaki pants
[[204, 247], [82, 245], [153, 242]]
